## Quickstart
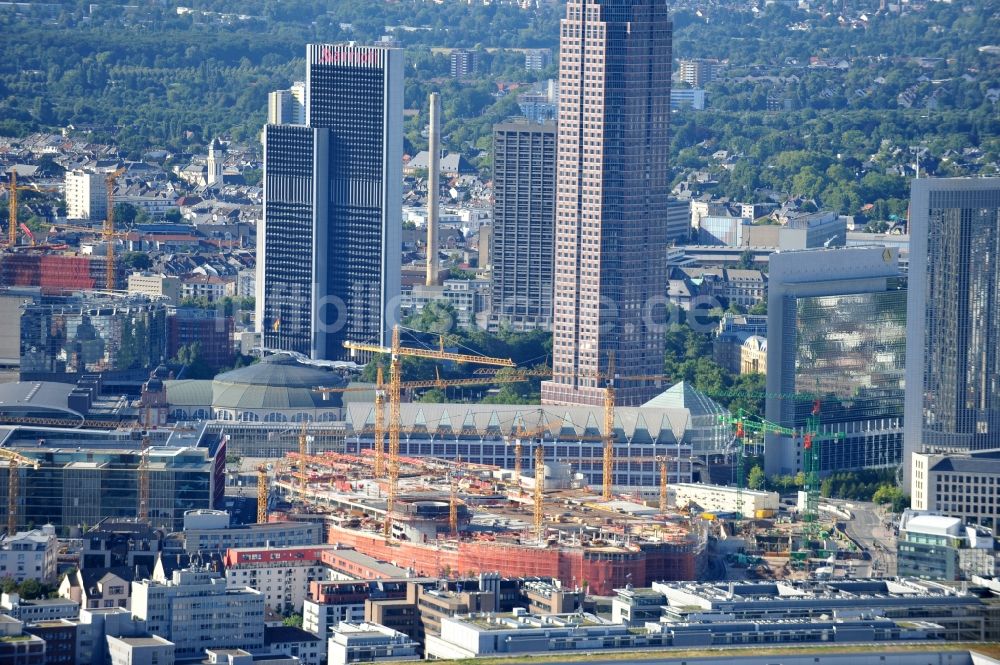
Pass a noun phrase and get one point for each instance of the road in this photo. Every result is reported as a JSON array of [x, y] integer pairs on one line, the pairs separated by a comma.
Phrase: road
[[868, 527]]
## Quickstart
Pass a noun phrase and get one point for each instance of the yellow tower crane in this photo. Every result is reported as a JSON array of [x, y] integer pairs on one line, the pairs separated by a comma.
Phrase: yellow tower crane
[[262, 494], [303, 453], [143, 470], [539, 488], [109, 230], [12, 204], [396, 352], [380, 392], [14, 462]]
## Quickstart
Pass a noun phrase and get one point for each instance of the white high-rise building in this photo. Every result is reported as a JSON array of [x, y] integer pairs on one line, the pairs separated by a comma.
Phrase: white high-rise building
[[86, 195], [287, 107], [196, 611]]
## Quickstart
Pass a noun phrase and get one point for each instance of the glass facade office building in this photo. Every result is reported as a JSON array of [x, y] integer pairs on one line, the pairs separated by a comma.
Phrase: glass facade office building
[[329, 263], [837, 335], [76, 335], [953, 371]]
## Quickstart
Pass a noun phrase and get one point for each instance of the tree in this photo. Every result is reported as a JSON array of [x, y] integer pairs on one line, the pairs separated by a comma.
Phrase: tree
[[137, 261], [293, 621], [434, 396], [194, 363], [756, 479]]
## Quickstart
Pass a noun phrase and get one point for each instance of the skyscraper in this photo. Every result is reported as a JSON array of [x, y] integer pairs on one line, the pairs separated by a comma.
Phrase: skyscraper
[[612, 182], [328, 255], [953, 316], [836, 333], [524, 175]]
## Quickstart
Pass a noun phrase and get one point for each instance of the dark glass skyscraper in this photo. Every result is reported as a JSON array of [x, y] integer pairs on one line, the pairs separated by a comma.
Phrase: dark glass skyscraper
[[329, 254], [613, 184], [953, 317], [524, 175]]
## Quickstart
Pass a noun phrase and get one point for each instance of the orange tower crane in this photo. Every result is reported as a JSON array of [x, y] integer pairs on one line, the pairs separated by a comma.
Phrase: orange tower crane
[[12, 204], [539, 488], [109, 230], [262, 494], [396, 352]]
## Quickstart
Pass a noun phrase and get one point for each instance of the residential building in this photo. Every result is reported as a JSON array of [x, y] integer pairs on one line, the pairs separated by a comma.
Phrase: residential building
[[295, 643], [959, 484], [153, 650], [86, 195], [612, 199], [536, 59], [331, 602], [30, 555], [211, 288], [696, 72], [524, 192], [287, 107], [98, 588], [464, 63], [953, 316], [209, 531], [836, 331], [121, 542], [369, 643], [753, 355], [937, 547], [328, 256], [467, 297], [97, 625], [41, 609], [283, 574], [18, 647], [155, 286], [196, 611]]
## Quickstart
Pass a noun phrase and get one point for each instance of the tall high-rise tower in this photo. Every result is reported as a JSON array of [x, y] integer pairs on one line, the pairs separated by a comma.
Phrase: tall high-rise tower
[[524, 185], [612, 182], [953, 316], [328, 256]]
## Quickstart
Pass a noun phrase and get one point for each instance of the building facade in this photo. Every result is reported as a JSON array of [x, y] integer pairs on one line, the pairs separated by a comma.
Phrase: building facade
[[29, 555], [953, 316], [836, 323], [86, 195], [524, 174], [282, 574], [328, 256], [612, 199], [937, 547], [965, 485], [196, 611]]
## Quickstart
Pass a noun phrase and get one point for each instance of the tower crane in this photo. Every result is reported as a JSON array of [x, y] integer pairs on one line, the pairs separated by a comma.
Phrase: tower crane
[[396, 352], [15, 461], [13, 189], [109, 229], [662, 459], [380, 392], [143, 472], [539, 487], [109, 237], [262, 494]]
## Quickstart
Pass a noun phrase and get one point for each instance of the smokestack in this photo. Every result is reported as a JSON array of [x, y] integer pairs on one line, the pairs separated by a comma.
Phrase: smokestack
[[433, 188]]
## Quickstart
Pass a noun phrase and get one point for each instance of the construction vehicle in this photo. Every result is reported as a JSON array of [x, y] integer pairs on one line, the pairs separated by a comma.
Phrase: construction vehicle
[[396, 353]]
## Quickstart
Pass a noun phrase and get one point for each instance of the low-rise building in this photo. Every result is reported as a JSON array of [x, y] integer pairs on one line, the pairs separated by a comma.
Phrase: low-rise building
[[209, 531], [18, 647], [369, 643], [297, 643], [29, 555], [156, 286], [282, 574], [98, 588], [60, 637], [753, 355], [725, 499], [41, 609], [151, 650], [937, 547], [331, 602]]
